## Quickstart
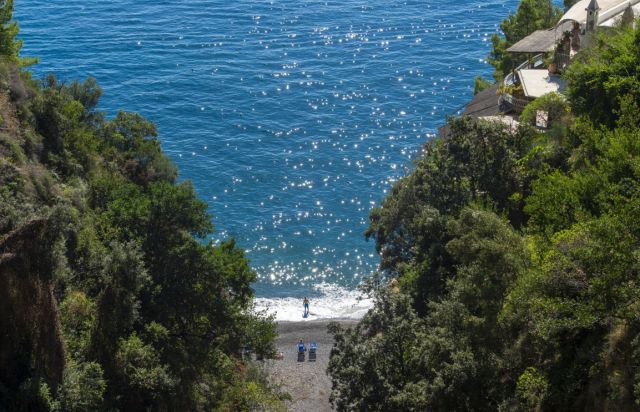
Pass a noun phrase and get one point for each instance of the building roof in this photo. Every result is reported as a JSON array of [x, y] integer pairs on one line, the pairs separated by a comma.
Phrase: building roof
[[484, 106], [484, 103], [608, 10], [612, 21], [536, 83], [539, 41]]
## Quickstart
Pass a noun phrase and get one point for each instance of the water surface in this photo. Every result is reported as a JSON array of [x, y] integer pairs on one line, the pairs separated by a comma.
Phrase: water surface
[[292, 118]]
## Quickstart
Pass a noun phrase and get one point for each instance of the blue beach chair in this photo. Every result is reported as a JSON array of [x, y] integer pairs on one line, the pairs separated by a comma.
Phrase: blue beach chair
[[312, 351], [301, 351]]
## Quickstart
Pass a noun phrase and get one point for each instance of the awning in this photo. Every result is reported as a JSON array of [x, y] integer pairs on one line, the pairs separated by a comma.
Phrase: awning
[[617, 19], [536, 83], [540, 41]]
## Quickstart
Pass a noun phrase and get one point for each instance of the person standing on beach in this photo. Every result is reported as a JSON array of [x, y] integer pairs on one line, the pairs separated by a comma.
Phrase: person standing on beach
[[305, 302]]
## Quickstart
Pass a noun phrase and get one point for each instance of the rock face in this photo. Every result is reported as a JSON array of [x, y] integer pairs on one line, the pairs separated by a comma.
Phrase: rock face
[[29, 321]]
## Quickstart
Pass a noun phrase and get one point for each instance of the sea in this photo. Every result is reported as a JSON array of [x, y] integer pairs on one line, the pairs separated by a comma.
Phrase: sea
[[292, 118]]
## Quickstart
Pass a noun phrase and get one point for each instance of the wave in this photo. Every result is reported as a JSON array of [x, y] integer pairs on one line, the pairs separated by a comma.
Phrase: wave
[[331, 302]]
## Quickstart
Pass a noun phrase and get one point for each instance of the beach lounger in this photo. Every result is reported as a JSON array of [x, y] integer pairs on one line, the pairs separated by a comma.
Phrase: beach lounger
[[312, 351]]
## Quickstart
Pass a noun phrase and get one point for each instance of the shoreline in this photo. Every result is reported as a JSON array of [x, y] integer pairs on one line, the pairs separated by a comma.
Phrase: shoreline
[[328, 302], [320, 320]]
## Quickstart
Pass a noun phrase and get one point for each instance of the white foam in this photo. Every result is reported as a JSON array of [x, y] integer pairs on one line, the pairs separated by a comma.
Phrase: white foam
[[335, 302]]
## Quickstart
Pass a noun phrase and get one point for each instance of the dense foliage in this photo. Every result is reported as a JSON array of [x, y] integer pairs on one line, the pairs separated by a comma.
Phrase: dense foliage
[[510, 275], [111, 298]]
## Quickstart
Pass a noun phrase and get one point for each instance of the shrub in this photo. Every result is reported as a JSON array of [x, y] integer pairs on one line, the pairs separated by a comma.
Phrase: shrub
[[553, 103]]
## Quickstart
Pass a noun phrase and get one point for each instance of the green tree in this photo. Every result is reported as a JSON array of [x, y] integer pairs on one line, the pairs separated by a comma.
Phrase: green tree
[[569, 3], [82, 388], [602, 76], [78, 315], [554, 104], [477, 162], [480, 84], [69, 143], [9, 45], [448, 359], [145, 381]]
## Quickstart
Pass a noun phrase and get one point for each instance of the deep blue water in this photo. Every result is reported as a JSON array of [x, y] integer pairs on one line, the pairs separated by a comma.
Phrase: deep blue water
[[291, 117]]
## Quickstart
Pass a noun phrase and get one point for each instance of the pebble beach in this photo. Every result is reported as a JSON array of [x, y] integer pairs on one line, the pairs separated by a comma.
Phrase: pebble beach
[[306, 382]]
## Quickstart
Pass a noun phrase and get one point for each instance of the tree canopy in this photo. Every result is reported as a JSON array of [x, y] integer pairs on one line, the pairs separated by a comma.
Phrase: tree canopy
[[113, 297]]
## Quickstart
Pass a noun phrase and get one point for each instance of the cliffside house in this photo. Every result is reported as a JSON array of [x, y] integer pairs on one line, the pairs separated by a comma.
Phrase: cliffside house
[[547, 53]]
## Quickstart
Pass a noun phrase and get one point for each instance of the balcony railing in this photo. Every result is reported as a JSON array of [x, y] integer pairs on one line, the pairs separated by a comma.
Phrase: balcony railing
[[535, 62], [510, 79], [510, 103]]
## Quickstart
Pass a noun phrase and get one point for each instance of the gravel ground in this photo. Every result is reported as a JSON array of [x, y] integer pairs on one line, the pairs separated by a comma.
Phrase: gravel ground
[[307, 382]]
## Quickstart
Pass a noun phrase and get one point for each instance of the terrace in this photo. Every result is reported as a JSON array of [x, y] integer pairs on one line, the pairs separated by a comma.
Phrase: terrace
[[532, 79], [513, 95]]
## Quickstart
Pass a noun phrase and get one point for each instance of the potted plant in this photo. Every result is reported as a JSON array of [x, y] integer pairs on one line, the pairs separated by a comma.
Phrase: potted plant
[[551, 64]]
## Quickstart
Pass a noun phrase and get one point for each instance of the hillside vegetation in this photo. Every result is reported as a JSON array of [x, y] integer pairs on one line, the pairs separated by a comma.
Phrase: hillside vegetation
[[111, 298], [510, 274]]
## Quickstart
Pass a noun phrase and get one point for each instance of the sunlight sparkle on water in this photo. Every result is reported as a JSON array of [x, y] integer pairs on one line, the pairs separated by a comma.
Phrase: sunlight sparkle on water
[[292, 119]]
